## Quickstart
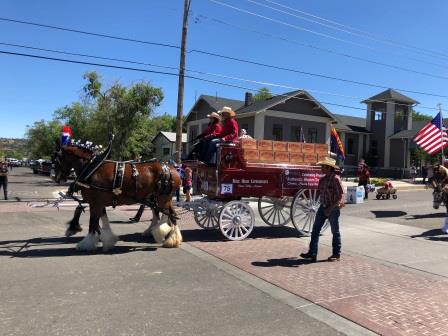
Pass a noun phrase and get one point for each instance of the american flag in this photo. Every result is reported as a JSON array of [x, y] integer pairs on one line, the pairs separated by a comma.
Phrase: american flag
[[431, 137]]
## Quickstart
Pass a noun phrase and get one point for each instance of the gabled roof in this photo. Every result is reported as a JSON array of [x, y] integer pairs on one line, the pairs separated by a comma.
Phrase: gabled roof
[[218, 103], [351, 124], [259, 105], [390, 94], [171, 136], [416, 127]]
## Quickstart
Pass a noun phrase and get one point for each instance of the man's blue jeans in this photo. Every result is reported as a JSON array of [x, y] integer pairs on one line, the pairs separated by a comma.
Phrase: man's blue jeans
[[317, 227], [211, 149]]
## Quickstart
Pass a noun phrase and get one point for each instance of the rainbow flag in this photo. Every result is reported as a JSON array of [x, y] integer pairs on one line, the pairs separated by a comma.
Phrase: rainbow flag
[[336, 145]]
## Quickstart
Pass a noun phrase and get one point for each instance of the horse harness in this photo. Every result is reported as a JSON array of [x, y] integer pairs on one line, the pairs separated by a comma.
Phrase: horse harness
[[164, 182]]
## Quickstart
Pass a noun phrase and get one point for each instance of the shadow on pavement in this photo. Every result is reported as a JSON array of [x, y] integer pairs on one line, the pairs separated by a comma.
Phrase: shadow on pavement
[[258, 232], [386, 214], [431, 215], [283, 262], [430, 233], [35, 247]]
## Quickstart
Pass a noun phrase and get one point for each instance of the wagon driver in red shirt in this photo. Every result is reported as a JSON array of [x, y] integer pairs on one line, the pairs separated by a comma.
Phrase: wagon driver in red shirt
[[229, 133], [331, 201], [214, 127]]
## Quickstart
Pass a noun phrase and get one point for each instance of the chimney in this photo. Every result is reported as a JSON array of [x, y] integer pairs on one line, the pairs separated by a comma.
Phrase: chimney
[[248, 99]]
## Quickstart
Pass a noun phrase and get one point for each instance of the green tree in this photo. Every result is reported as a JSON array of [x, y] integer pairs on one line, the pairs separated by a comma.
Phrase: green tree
[[120, 111], [262, 94], [417, 116], [41, 138], [78, 117]]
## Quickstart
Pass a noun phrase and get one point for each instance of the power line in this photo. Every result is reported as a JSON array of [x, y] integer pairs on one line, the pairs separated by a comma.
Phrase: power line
[[321, 34], [359, 32], [90, 33], [175, 74], [162, 73], [349, 30], [199, 72], [229, 57]]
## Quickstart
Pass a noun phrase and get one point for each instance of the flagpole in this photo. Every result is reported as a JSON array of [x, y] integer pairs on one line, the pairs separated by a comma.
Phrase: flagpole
[[441, 131]]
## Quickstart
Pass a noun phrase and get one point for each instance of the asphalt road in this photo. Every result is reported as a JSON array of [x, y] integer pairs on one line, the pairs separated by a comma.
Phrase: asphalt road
[[413, 208], [49, 288]]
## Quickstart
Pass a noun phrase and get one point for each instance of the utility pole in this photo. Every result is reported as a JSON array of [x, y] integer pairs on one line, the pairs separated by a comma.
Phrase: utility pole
[[180, 90]]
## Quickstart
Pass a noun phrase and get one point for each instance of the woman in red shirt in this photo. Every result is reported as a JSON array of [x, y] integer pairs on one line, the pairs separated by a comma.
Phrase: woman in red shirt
[[213, 128], [229, 133]]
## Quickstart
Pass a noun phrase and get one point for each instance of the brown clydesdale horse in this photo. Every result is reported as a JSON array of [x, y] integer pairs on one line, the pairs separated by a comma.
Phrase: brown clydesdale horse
[[150, 183]]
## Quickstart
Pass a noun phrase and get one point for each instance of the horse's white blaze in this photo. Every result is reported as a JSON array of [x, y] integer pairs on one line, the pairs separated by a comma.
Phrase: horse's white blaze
[[88, 243]]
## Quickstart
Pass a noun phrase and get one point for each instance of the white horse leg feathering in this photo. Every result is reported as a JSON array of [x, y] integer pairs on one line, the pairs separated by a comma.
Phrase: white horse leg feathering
[[107, 237]]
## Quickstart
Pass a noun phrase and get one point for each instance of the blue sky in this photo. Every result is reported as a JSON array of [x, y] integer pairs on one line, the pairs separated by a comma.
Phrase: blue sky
[[31, 89]]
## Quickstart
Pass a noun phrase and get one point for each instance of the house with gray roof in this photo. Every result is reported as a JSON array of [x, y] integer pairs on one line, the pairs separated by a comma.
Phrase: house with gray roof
[[165, 145], [383, 137]]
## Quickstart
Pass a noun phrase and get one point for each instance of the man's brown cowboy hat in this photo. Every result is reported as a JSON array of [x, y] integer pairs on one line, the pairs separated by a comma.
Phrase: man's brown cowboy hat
[[214, 115], [228, 110], [328, 162]]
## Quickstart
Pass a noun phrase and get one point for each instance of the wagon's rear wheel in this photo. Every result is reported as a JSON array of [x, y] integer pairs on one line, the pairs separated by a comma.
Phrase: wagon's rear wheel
[[378, 196], [237, 220], [275, 211], [206, 214], [394, 196], [303, 211]]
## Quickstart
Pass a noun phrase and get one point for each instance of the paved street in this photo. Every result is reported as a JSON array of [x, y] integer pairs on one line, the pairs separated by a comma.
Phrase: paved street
[[392, 279], [412, 207]]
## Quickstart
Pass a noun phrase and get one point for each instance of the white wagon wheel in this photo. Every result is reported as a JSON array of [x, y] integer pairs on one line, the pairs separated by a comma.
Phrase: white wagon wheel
[[237, 220], [206, 214], [275, 211], [303, 210]]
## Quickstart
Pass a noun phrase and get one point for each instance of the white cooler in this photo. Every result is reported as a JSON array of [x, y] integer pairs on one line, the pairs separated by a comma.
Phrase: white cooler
[[355, 195]]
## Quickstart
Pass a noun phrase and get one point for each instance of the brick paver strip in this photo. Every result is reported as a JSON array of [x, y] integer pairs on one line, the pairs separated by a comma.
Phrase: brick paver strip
[[386, 300]]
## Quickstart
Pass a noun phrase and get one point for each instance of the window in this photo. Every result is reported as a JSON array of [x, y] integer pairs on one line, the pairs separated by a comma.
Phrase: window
[[245, 126], [350, 145], [297, 134], [166, 151], [312, 135], [379, 115], [193, 132], [277, 132]]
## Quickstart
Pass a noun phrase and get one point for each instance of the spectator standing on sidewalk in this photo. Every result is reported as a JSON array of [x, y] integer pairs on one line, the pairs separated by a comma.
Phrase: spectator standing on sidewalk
[[4, 178], [363, 174], [331, 194], [424, 173], [187, 182]]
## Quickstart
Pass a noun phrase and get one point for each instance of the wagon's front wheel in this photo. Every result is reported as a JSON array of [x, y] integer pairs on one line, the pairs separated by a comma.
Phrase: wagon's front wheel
[[237, 220], [275, 211], [206, 214], [303, 211]]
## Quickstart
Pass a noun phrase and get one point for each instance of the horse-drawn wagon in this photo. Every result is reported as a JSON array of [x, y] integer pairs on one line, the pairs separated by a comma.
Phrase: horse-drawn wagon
[[283, 176]]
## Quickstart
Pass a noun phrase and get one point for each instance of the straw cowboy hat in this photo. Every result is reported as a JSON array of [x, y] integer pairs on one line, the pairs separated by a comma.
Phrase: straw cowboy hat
[[328, 162], [228, 110], [214, 115]]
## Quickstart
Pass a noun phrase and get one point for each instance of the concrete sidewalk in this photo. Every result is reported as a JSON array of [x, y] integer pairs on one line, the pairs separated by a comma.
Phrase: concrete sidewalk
[[401, 185]]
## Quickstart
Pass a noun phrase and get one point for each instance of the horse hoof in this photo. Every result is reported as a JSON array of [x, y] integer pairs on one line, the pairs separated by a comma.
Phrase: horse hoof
[[89, 243], [108, 239], [71, 232]]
